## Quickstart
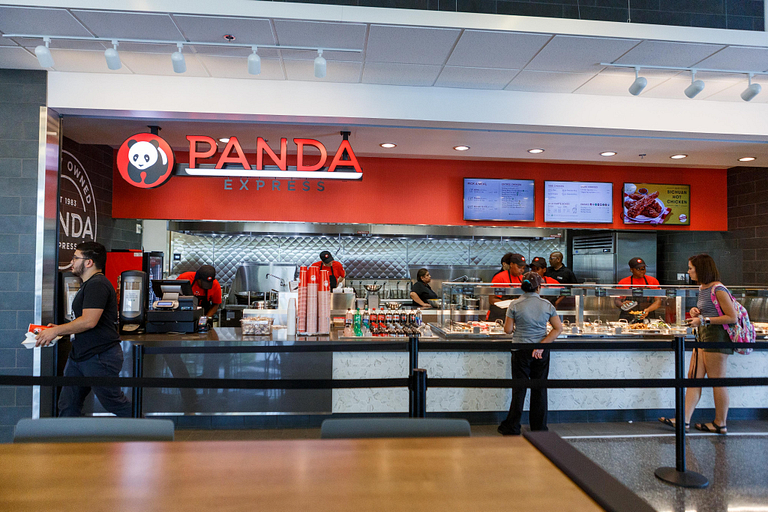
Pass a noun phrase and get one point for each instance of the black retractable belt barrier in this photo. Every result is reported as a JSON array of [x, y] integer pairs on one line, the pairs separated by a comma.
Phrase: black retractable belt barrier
[[679, 475], [137, 396], [417, 388], [413, 353]]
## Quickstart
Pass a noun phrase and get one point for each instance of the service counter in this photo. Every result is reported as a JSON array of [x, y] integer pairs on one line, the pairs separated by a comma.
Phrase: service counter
[[466, 363]]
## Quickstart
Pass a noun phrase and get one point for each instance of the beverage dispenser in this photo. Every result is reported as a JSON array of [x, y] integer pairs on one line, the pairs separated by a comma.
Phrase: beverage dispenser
[[70, 285], [133, 300]]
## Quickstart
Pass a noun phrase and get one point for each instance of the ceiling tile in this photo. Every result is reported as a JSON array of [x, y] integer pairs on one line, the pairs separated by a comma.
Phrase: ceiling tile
[[234, 51], [165, 49], [674, 87], [17, 58], [310, 55], [579, 54], [129, 25], [83, 62], [228, 67], [738, 58], [475, 78], [410, 45], [484, 49], [617, 83], [50, 22], [212, 29], [159, 64], [400, 74], [546, 81], [336, 71], [664, 53], [320, 34]]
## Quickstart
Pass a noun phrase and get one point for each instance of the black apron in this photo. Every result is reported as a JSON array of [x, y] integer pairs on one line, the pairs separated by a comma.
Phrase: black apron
[[642, 303], [332, 278]]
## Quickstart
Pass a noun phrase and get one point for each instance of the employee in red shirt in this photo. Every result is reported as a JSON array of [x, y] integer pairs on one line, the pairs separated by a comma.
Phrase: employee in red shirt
[[638, 279], [512, 269], [205, 287], [539, 265], [334, 267]]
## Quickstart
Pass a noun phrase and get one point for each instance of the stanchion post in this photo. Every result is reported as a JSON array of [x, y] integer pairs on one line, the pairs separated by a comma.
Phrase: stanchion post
[[679, 475], [418, 393], [137, 395], [413, 353]]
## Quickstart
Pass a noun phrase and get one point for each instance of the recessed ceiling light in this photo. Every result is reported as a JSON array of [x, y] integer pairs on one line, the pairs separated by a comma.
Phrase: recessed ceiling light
[[608, 153], [678, 157], [535, 151], [224, 140], [387, 145], [461, 148], [747, 159]]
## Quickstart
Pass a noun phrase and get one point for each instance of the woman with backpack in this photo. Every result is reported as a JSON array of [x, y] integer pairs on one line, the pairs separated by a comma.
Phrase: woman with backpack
[[711, 318]]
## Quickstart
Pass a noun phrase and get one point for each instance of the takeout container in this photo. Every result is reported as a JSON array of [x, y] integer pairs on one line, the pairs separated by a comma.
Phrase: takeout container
[[257, 326]]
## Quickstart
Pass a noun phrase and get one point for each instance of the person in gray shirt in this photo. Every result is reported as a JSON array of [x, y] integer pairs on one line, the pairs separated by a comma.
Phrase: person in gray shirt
[[527, 319]]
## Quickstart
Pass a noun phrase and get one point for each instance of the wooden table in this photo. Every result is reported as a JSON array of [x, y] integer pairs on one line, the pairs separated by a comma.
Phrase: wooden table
[[359, 475]]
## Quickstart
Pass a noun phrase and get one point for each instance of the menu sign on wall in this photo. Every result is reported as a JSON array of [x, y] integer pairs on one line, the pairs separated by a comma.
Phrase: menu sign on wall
[[654, 204], [502, 200], [578, 201]]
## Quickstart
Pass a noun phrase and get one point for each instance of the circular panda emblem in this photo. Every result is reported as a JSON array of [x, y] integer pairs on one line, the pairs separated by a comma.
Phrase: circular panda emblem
[[145, 160]]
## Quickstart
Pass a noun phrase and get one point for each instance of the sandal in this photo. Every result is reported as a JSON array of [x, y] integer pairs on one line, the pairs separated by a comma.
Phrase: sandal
[[670, 422], [716, 429]]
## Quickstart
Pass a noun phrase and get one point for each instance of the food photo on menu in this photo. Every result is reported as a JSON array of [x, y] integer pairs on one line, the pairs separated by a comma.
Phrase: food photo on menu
[[655, 204]]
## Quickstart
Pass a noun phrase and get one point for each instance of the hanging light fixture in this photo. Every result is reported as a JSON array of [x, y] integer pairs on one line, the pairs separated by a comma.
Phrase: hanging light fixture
[[43, 54], [696, 86], [113, 58], [254, 62], [752, 90], [320, 65], [177, 58], [638, 85]]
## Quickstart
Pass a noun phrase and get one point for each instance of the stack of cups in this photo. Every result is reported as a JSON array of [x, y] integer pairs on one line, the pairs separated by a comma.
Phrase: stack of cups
[[313, 276], [324, 303], [301, 310]]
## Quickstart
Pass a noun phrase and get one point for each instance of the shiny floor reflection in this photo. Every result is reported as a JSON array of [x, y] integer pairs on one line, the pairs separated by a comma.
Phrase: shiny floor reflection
[[735, 466]]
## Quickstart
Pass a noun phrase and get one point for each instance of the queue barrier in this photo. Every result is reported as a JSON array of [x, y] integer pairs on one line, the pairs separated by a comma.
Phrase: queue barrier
[[417, 382]]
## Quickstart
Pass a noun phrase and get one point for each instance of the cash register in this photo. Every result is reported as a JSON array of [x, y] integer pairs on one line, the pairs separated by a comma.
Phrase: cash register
[[176, 311]]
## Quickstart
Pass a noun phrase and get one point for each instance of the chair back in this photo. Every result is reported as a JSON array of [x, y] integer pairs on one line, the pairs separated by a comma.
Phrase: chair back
[[84, 430], [394, 427]]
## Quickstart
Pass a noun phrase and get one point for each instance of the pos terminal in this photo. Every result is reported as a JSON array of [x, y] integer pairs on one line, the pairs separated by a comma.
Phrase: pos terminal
[[176, 311]]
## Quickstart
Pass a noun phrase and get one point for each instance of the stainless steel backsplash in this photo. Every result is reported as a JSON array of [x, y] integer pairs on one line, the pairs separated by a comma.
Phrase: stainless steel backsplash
[[379, 257]]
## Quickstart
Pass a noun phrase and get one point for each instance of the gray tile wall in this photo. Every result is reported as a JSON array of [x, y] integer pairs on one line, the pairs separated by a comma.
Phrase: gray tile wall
[[22, 93]]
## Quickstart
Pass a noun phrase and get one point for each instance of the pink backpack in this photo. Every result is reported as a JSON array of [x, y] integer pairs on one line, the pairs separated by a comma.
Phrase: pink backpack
[[742, 331]]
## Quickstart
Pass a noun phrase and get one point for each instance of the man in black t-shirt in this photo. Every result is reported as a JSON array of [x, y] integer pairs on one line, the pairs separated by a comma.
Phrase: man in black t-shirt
[[558, 271], [96, 348]]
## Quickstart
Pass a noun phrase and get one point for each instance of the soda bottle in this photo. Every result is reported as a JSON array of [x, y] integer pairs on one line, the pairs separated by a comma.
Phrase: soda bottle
[[419, 317], [388, 317], [382, 319], [357, 322], [348, 323], [412, 317]]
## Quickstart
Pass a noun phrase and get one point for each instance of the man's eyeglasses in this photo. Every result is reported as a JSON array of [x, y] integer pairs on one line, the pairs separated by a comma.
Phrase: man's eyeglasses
[[79, 258]]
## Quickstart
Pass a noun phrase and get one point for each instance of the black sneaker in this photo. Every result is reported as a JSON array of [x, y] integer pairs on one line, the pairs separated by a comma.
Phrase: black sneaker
[[506, 432]]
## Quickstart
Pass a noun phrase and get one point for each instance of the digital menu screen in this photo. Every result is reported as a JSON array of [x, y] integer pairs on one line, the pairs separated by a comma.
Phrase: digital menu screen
[[578, 201], [654, 204], [503, 200]]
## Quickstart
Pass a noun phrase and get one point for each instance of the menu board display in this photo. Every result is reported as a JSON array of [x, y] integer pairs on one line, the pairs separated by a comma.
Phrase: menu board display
[[578, 201], [654, 204], [503, 200]]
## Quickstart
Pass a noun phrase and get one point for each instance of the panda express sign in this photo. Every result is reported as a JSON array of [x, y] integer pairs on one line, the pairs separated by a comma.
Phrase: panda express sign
[[146, 160]]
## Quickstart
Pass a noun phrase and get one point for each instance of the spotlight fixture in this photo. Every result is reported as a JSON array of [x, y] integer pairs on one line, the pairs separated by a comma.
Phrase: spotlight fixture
[[113, 58], [608, 153], [747, 159], [696, 86], [638, 85], [320, 65], [43, 54], [750, 92], [461, 148], [388, 145], [678, 157], [177, 58], [224, 140], [254, 62], [535, 151]]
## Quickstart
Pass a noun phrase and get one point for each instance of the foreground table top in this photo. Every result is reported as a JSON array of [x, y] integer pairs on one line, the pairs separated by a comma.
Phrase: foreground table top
[[316, 475]]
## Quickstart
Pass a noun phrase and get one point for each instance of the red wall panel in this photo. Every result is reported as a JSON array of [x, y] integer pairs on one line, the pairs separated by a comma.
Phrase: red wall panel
[[403, 191]]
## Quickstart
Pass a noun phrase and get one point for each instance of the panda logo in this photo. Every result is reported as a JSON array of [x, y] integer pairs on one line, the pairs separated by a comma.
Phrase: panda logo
[[145, 160]]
